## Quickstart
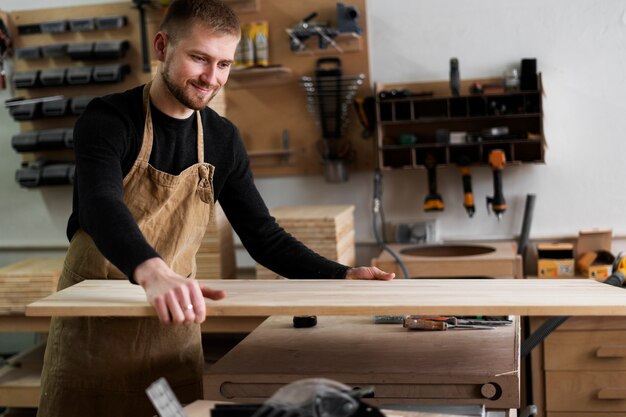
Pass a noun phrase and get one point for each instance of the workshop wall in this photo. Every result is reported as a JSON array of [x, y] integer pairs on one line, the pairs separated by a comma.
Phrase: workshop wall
[[579, 49]]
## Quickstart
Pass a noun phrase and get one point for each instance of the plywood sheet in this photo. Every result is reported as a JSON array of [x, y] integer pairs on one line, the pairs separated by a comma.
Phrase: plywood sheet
[[502, 262], [344, 297], [400, 365]]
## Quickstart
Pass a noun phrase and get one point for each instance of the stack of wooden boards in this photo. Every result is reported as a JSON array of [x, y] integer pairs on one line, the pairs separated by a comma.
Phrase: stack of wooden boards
[[325, 229], [216, 257], [26, 281]]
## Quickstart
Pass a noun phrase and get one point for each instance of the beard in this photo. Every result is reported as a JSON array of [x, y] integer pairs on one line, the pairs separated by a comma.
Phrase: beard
[[189, 100]]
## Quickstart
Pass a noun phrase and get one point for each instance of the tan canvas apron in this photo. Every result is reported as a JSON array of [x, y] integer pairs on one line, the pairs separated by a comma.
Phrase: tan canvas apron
[[102, 366]]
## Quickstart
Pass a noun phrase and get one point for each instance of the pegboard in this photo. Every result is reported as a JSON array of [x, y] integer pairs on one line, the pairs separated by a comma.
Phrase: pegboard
[[264, 112], [133, 58]]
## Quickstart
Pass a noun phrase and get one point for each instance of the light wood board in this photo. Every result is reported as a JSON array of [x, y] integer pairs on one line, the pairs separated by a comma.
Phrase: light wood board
[[343, 297]]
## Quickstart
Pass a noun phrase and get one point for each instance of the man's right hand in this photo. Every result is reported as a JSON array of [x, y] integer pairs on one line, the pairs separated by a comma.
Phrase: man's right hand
[[175, 298]]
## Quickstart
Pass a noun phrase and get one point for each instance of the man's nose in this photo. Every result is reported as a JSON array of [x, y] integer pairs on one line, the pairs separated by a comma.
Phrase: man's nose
[[209, 75]]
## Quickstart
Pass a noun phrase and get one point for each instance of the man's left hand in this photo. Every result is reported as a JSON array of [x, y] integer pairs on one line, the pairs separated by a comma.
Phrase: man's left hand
[[369, 272]]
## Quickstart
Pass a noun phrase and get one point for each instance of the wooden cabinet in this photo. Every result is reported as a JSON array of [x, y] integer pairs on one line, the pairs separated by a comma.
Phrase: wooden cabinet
[[582, 368], [421, 120]]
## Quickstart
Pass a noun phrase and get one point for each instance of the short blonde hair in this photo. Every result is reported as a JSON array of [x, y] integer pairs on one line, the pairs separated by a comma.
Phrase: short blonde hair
[[213, 14]]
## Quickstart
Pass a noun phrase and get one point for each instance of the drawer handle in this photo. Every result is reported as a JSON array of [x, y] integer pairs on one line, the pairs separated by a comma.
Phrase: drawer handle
[[612, 394], [617, 351]]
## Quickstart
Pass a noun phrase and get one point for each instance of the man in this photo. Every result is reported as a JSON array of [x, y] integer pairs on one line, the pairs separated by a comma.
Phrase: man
[[150, 164]]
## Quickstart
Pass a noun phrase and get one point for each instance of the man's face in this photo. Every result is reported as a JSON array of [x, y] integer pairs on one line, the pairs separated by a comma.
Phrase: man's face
[[197, 66]]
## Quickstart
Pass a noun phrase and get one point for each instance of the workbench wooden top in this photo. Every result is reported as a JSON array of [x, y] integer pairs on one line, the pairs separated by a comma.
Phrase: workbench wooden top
[[524, 297]]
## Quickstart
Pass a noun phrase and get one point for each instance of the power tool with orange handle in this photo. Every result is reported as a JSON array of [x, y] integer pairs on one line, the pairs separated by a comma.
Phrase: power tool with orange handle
[[497, 160]]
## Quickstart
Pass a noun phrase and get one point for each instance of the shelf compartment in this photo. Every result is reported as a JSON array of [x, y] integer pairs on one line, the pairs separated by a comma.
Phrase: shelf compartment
[[398, 157], [262, 76]]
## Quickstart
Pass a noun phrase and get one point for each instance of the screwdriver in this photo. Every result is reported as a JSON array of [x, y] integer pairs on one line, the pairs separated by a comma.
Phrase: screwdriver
[[439, 323]]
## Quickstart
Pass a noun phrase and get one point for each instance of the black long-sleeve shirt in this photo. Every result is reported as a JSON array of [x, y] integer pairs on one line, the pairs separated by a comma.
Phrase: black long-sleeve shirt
[[107, 140]]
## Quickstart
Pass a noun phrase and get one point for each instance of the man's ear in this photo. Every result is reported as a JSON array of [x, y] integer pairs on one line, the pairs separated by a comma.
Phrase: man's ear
[[160, 45]]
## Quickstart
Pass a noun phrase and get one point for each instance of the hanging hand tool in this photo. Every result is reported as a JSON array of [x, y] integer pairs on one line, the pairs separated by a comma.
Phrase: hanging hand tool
[[145, 53], [466, 177], [497, 160], [433, 201], [366, 111]]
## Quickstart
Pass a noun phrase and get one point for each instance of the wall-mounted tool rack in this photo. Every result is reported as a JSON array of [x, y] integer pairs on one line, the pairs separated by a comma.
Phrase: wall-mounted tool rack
[[64, 57], [412, 127], [267, 102]]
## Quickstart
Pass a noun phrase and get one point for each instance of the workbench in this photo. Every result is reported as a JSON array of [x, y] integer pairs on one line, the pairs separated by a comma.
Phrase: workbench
[[460, 366], [517, 297]]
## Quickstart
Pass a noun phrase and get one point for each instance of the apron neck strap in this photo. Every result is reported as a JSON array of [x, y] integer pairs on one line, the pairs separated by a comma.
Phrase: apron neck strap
[[148, 132]]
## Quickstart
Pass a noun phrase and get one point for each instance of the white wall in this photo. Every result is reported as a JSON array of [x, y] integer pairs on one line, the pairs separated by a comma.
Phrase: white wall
[[579, 45]]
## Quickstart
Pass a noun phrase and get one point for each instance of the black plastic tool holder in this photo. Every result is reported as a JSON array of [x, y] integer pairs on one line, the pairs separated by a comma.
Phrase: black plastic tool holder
[[113, 73], [83, 24], [28, 52], [79, 75], [110, 49], [110, 22], [52, 77], [80, 51], [43, 140], [53, 26], [55, 50], [26, 111], [41, 173], [55, 108], [55, 139], [25, 79], [79, 104]]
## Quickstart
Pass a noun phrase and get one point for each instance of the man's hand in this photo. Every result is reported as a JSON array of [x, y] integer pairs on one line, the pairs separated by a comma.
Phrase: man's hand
[[175, 298], [369, 272]]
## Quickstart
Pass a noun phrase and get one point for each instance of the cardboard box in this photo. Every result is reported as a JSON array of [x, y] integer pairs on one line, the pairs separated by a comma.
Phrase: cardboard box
[[593, 253], [596, 264], [555, 260]]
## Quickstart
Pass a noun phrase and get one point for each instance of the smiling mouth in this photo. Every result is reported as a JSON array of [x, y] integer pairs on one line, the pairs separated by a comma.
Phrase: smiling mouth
[[203, 89]]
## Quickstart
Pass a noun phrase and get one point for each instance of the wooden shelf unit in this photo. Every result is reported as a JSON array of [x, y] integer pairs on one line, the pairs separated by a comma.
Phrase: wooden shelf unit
[[580, 368], [431, 110]]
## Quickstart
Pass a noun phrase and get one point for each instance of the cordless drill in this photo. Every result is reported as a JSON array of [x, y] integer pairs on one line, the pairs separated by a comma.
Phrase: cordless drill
[[466, 177], [497, 159], [619, 271], [433, 201]]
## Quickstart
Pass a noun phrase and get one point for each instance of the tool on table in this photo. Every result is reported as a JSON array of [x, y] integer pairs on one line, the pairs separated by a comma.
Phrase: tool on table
[[440, 323], [466, 177], [497, 160], [304, 321], [433, 201]]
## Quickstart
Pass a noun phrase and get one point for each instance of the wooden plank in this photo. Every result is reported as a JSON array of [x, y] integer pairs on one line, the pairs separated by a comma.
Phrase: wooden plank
[[202, 408], [345, 297], [19, 387], [402, 366], [503, 261], [20, 323]]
